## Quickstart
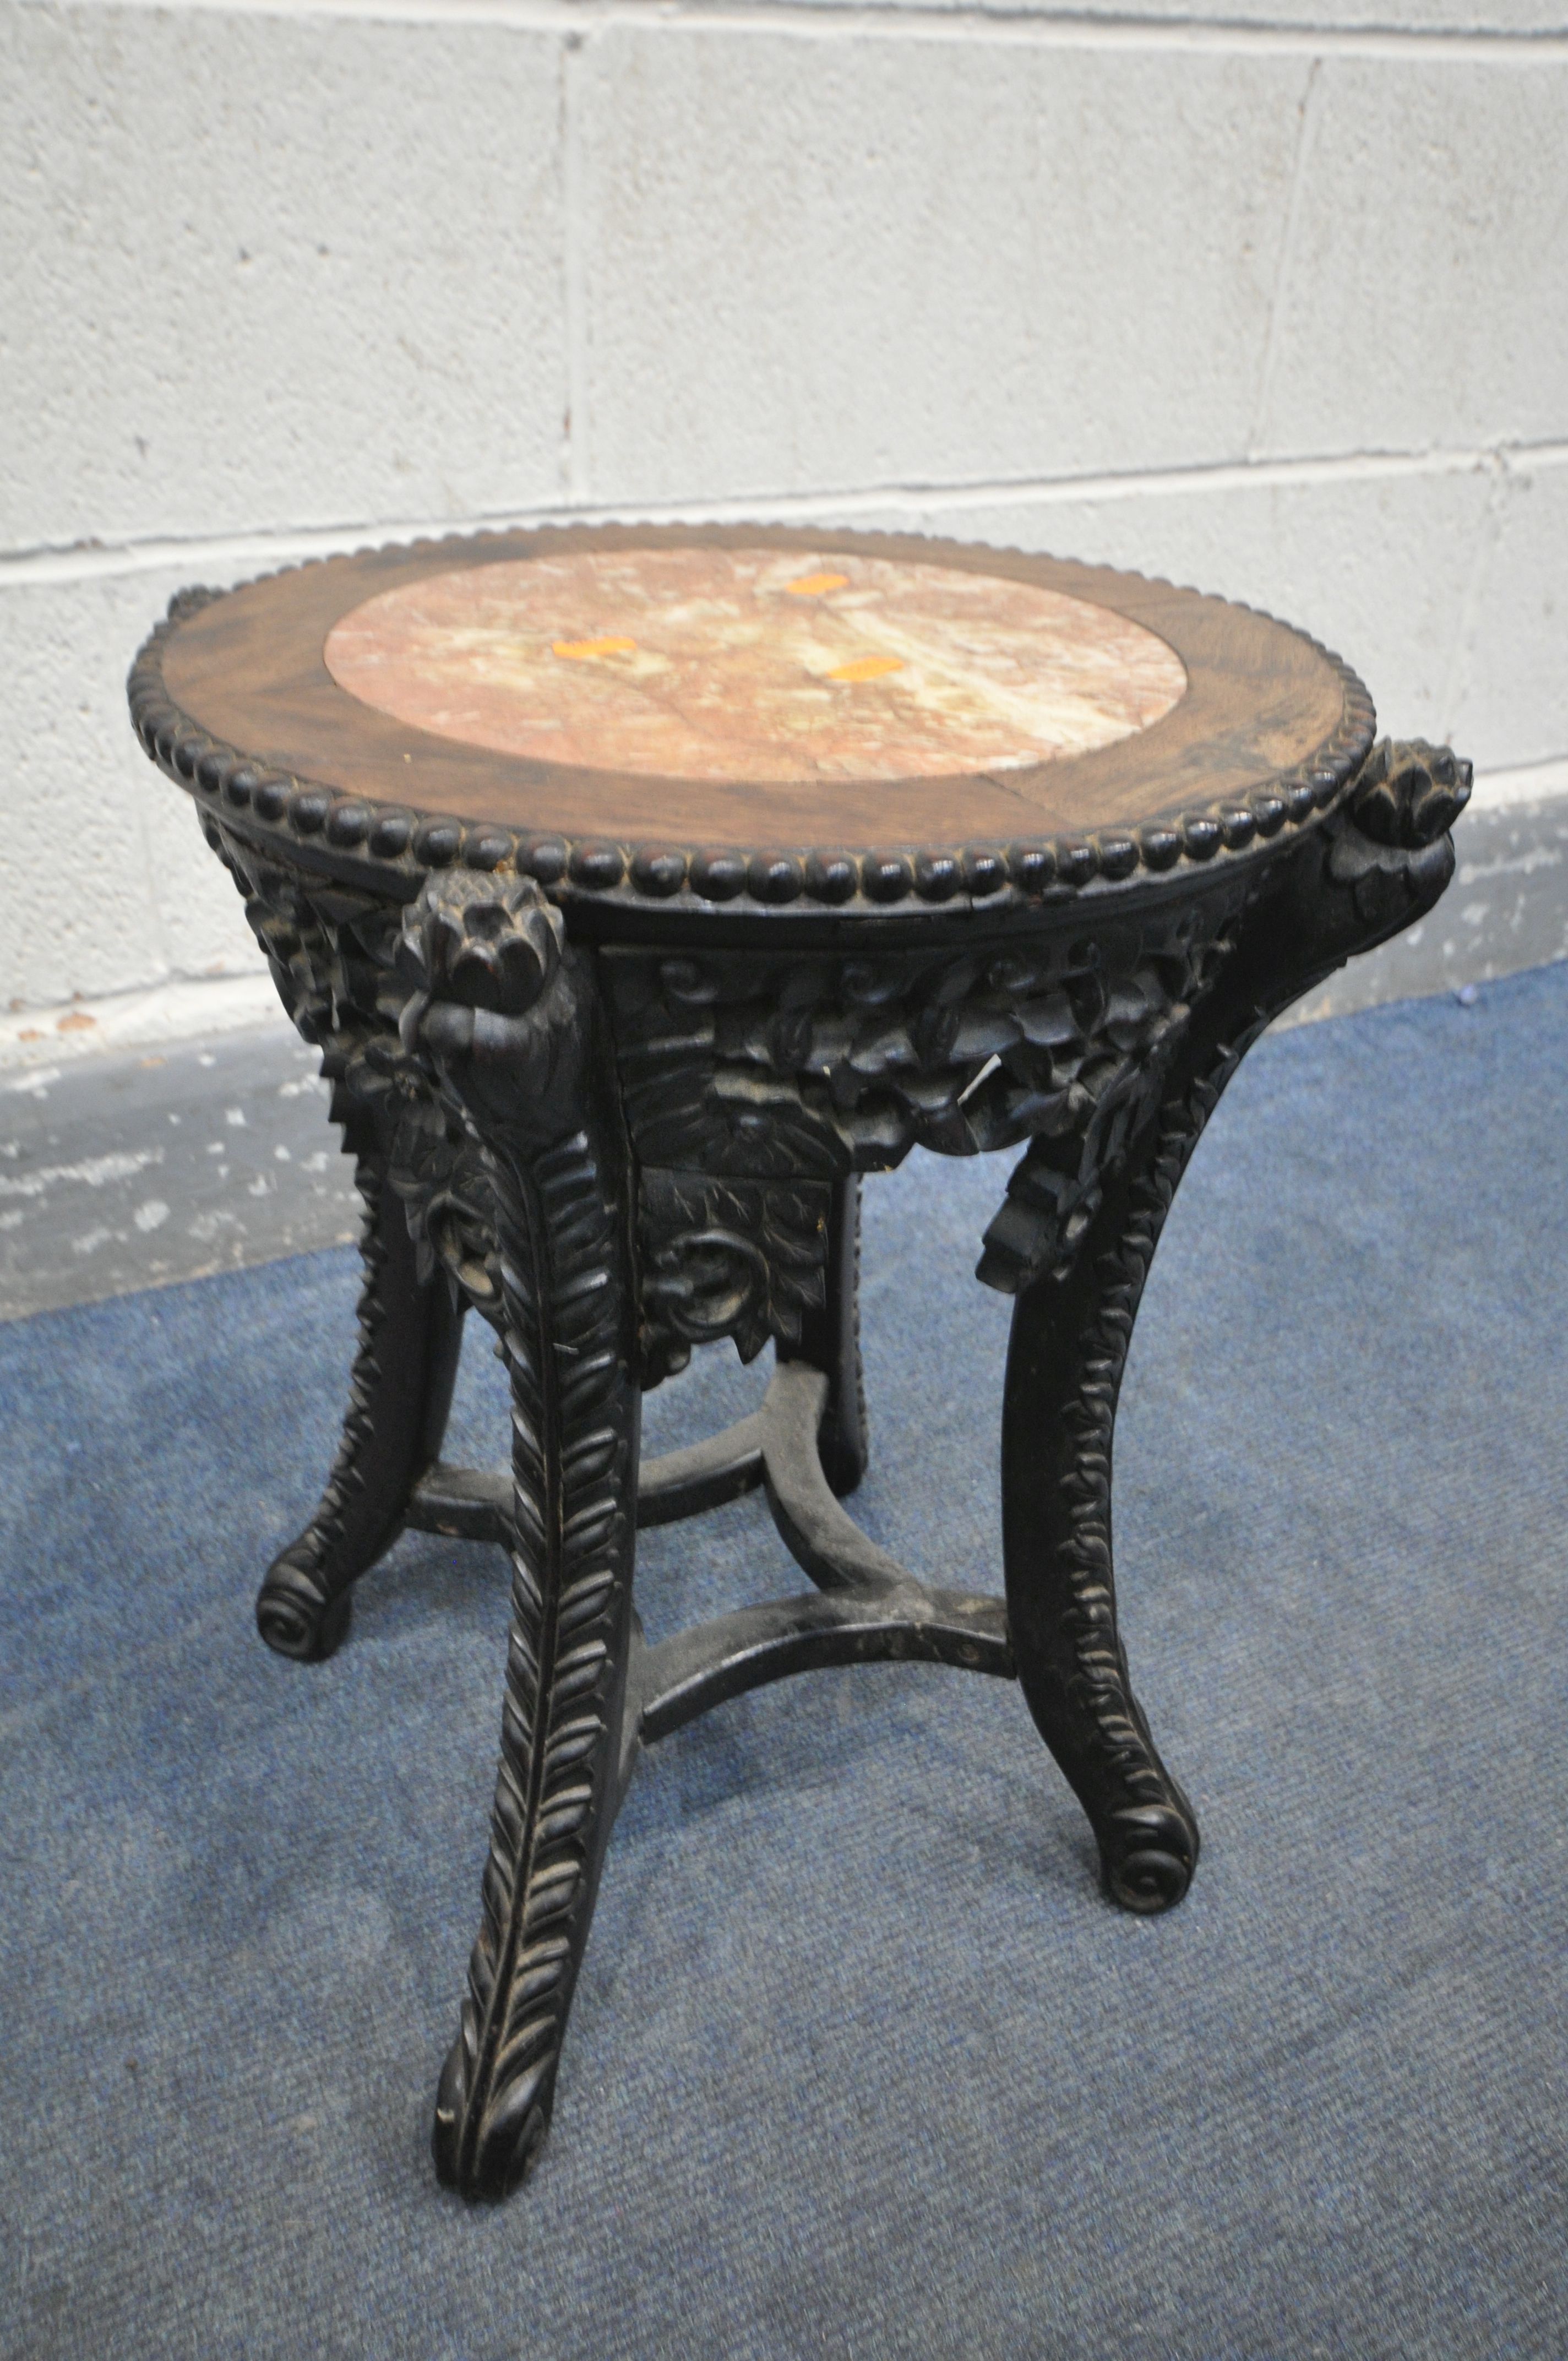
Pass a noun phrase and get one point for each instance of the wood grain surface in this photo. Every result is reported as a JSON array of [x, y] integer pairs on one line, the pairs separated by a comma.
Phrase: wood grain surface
[[251, 668]]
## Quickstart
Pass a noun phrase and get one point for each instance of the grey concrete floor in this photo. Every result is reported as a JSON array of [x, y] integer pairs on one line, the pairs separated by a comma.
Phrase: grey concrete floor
[[135, 1170]]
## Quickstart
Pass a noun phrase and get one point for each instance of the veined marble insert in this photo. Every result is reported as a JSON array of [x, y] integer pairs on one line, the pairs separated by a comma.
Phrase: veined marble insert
[[753, 665]]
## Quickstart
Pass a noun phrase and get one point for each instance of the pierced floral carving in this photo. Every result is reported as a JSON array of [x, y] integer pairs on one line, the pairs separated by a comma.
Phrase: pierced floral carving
[[1104, 1094], [357, 976], [809, 1069], [448, 1201], [744, 1259]]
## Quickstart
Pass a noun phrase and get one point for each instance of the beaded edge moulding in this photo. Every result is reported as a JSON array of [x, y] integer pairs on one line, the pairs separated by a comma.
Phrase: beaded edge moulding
[[340, 831]]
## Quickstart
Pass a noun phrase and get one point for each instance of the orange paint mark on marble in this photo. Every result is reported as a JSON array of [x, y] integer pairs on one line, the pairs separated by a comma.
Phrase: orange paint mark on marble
[[867, 668], [816, 586], [578, 649]]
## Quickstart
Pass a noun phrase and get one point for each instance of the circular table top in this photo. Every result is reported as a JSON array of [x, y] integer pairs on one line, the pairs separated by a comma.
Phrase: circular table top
[[739, 668], [749, 712]]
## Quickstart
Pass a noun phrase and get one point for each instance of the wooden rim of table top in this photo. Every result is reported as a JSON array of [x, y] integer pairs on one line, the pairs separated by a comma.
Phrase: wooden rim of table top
[[232, 697]]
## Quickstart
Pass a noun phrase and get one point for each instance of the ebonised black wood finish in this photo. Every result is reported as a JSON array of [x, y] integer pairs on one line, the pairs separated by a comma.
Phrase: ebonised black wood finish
[[615, 1144]]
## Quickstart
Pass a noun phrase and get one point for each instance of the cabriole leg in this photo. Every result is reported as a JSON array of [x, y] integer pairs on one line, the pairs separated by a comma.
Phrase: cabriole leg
[[400, 1394], [529, 1066], [1065, 1361], [1381, 863], [573, 1483]]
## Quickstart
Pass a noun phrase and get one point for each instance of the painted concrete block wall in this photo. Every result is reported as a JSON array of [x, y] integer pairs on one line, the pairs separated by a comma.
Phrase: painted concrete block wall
[[1282, 309]]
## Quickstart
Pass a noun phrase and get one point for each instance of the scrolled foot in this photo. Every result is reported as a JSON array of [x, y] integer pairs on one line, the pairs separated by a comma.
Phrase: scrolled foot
[[1147, 1856], [295, 1614], [510, 2139]]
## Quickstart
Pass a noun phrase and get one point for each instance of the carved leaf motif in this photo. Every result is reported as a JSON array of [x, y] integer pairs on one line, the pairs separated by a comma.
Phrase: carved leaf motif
[[758, 1069], [1408, 796], [441, 1176], [498, 1156], [561, 1341]]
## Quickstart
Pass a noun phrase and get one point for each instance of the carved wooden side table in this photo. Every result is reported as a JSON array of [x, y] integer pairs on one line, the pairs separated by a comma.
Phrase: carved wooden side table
[[644, 889]]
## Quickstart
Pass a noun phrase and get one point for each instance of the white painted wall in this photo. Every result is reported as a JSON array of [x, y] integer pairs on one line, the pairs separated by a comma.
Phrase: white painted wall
[[1279, 311]]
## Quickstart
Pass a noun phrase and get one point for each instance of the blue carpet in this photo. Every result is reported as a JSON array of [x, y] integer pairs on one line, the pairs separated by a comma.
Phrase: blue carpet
[[860, 2063]]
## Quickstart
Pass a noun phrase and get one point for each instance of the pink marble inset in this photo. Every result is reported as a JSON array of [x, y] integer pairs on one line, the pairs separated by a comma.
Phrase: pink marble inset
[[754, 664]]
